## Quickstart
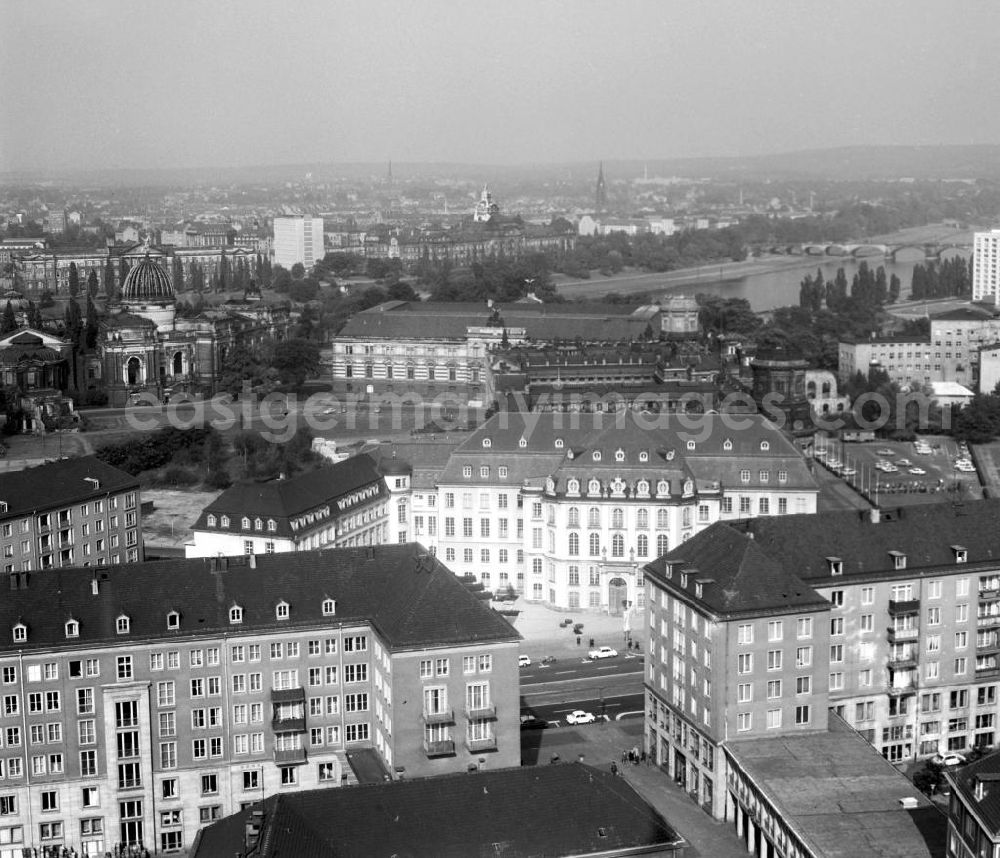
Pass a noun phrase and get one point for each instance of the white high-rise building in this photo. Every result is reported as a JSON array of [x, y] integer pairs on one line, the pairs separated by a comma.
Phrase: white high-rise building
[[298, 239], [986, 266]]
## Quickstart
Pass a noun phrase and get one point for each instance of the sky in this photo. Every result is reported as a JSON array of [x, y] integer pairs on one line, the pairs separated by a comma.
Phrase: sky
[[109, 84]]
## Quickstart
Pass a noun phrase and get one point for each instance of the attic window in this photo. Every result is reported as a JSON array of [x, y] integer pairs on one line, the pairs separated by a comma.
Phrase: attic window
[[245, 523], [597, 455], [961, 553], [662, 487], [898, 559], [95, 483], [690, 445], [3, 506], [272, 525], [281, 610], [123, 624], [467, 471], [235, 615], [173, 620], [684, 579], [698, 589], [20, 632], [258, 524], [72, 629], [836, 565], [573, 486], [522, 443], [668, 570], [487, 442], [619, 455], [765, 445], [559, 443], [643, 456], [727, 444], [329, 607], [602, 832], [211, 521], [225, 521]]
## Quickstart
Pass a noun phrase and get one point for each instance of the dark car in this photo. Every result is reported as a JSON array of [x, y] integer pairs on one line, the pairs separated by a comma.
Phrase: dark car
[[530, 722]]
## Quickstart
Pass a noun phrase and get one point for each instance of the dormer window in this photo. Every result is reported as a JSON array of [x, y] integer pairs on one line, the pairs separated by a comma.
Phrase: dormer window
[[559, 443], [211, 521], [573, 487], [698, 589], [662, 487], [727, 444], [272, 525], [597, 455], [173, 620], [690, 445], [281, 610], [619, 455], [487, 442], [684, 579], [258, 524], [3, 506], [765, 446], [329, 607], [20, 633], [245, 524], [898, 559], [642, 488], [467, 471], [835, 565], [643, 455], [225, 521], [522, 443], [235, 615], [594, 487], [123, 624], [72, 629], [961, 553]]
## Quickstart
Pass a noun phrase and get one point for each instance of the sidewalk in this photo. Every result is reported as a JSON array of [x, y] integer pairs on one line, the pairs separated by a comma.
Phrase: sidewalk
[[539, 626]]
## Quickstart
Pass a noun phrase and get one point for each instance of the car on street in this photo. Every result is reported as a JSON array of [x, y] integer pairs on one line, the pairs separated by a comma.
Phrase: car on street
[[849, 472], [602, 652], [904, 463], [885, 451], [833, 463], [578, 716], [531, 722], [950, 759], [523, 661], [917, 471]]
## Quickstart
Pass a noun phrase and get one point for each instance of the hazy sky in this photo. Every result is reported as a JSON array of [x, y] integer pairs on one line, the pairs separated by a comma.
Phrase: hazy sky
[[174, 83]]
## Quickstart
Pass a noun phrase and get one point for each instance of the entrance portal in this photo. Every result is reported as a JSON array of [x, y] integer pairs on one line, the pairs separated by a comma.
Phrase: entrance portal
[[617, 595]]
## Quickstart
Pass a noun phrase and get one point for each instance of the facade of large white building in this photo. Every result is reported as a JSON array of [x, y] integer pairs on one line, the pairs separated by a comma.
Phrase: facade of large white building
[[298, 239], [986, 266]]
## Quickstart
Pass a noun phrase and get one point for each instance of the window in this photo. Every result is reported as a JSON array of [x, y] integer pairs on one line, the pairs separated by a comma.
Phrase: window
[[744, 634], [743, 721], [124, 664], [745, 662], [235, 614], [775, 630]]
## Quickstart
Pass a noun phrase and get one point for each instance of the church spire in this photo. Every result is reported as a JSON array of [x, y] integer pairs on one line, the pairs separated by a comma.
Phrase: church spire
[[601, 195]]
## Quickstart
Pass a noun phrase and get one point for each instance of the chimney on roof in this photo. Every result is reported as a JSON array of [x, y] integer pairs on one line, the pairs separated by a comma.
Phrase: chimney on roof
[[254, 826], [370, 552], [909, 802], [95, 586]]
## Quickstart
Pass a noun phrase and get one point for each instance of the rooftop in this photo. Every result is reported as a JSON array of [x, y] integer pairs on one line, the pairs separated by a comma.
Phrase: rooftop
[[840, 797], [983, 774], [409, 597], [570, 809], [60, 483]]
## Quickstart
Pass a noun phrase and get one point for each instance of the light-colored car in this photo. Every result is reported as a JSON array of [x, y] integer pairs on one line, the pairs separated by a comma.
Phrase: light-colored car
[[950, 759], [578, 716], [917, 471], [849, 472], [523, 661], [885, 451], [833, 463], [890, 469], [904, 463], [602, 652]]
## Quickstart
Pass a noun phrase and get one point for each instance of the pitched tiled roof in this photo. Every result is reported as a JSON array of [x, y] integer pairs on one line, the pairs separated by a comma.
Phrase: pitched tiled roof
[[569, 809], [984, 772], [284, 500], [733, 575], [410, 598], [59, 484]]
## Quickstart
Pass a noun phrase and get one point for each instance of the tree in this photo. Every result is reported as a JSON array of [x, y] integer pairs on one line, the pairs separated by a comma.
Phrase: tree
[[109, 278], [281, 280], [91, 326], [34, 316], [178, 275], [9, 321], [304, 290], [92, 283], [296, 360], [74, 280], [298, 271]]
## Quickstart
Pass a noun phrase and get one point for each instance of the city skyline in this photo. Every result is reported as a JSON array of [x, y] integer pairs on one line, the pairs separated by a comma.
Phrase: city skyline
[[188, 85]]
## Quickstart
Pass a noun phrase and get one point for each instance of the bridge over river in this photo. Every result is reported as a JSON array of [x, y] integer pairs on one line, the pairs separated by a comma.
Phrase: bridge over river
[[911, 251]]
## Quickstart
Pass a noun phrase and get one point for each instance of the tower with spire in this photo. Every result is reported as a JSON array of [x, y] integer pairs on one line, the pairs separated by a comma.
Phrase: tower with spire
[[601, 194]]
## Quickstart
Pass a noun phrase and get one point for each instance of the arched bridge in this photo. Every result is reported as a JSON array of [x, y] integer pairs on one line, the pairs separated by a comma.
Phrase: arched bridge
[[930, 250]]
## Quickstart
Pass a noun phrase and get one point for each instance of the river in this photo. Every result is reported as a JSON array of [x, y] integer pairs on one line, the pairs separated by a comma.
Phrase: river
[[765, 283]]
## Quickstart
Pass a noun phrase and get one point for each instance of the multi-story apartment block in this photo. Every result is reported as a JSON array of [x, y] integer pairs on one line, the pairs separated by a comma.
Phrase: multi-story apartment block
[[339, 505], [142, 701], [973, 810], [73, 512], [298, 239], [986, 266], [568, 507], [890, 620], [950, 353]]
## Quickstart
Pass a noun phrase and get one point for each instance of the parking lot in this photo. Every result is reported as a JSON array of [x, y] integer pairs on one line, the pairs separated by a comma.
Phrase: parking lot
[[901, 472]]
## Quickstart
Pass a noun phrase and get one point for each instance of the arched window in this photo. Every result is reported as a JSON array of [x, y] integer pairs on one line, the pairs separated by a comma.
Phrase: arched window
[[225, 521], [642, 488], [173, 620], [765, 445], [618, 518], [245, 524], [617, 545], [573, 487], [642, 545], [281, 610], [72, 629], [487, 442], [122, 624], [619, 455], [594, 517], [594, 487], [662, 544], [235, 615], [20, 632], [595, 545], [727, 444], [690, 445], [662, 487], [211, 520], [643, 456], [522, 443], [329, 607], [597, 455], [574, 517], [642, 518], [559, 443], [574, 544], [663, 518]]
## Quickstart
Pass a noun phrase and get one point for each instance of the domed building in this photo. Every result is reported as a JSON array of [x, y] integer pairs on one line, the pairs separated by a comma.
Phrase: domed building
[[144, 348]]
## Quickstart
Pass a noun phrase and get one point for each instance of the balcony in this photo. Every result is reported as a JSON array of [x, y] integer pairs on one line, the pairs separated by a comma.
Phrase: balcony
[[989, 621], [443, 748], [288, 725], [481, 713], [477, 746], [898, 635], [288, 695], [902, 690], [445, 716], [291, 757], [903, 661], [989, 594], [898, 608]]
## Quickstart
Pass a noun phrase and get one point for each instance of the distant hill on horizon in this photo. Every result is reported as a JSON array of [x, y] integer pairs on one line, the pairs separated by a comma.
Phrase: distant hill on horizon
[[979, 161]]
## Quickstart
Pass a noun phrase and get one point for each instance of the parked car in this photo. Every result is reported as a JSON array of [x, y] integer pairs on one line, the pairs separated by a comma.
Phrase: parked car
[[917, 471], [530, 722], [578, 716], [885, 451], [904, 463], [849, 472], [549, 659], [950, 759], [602, 652], [577, 628], [564, 623], [523, 661]]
